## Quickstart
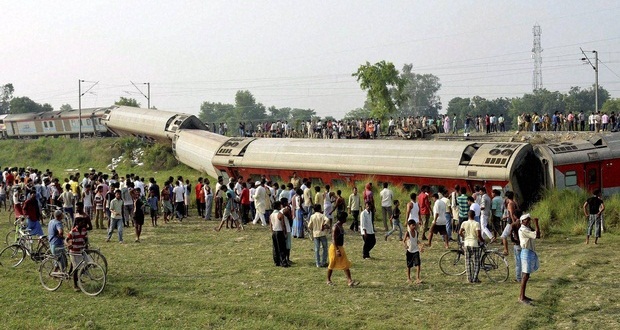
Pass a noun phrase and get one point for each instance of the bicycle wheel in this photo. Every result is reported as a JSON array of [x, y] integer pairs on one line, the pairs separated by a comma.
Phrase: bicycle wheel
[[91, 279], [49, 274], [495, 266], [98, 258], [452, 263], [10, 238], [42, 252], [12, 255]]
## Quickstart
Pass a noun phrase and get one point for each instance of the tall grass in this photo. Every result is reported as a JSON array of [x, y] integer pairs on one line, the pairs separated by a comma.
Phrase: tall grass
[[561, 212]]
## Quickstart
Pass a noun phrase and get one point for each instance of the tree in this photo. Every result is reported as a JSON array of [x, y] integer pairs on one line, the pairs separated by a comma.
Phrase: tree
[[420, 94], [214, 112], [129, 102], [459, 106], [6, 94], [26, 105], [612, 105], [65, 107], [384, 87], [246, 108], [583, 99]]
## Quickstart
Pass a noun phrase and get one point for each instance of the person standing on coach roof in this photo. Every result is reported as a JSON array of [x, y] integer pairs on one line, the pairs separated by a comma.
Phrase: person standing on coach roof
[[593, 209]]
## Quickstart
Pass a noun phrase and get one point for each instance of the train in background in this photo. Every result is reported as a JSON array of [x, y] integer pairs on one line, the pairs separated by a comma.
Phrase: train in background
[[53, 124], [523, 168]]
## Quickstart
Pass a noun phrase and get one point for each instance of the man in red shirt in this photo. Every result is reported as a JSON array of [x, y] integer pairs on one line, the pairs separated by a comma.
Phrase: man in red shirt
[[199, 198], [245, 203], [425, 209], [32, 213]]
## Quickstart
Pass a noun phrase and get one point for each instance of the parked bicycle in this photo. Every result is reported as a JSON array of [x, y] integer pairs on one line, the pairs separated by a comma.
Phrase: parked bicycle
[[53, 271], [492, 262], [14, 254]]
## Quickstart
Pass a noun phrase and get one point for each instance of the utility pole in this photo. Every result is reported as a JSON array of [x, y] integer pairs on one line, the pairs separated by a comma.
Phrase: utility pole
[[536, 55], [595, 67], [80, 94], [148, 92], [80, 108]]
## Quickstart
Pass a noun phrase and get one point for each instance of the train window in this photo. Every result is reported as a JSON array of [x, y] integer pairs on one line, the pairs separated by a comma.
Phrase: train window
[[51, 124], [88, 123], [45, 124], [276, 178], [317, 182], [570, 179], [255, 177], [338, 183], [412, 187], [592, 176]]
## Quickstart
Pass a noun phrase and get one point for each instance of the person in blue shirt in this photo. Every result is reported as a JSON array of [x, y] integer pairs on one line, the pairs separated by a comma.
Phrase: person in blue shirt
[[56, 237]]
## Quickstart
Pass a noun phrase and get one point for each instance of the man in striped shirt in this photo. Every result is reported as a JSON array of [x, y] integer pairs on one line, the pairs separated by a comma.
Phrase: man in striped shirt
[[463, 206], [77, 240]]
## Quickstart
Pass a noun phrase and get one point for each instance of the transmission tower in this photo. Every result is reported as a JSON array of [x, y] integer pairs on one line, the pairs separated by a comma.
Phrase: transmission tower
[[536, 55]]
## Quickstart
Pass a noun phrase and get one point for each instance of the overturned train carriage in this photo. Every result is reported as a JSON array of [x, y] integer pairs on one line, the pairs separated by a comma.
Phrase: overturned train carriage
[[504, 166], [583, 164], [149, 124]]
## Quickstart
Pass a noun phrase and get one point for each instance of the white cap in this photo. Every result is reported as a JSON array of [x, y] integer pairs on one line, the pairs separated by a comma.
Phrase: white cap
[[257, 183], [524, 217]]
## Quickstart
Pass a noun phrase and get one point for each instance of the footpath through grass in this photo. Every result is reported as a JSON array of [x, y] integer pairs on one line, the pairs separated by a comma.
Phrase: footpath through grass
[[185, 275]]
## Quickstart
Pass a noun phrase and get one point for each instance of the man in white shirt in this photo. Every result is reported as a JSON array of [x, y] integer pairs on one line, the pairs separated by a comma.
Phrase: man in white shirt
[[179, 200], [485, 208], [260, 202], [368, 231], [448, 202], [473, 206], [386, 204], [529, 258], [438, 226]]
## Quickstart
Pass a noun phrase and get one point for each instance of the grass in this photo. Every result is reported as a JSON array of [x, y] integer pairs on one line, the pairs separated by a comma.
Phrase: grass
[[185, 275], [66, 156]]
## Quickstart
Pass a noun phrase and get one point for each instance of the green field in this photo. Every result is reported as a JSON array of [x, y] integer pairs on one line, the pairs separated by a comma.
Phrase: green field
[[185, 275]]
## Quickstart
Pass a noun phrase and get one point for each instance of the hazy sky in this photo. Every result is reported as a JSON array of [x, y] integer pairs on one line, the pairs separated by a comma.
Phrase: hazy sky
[[296, 53]]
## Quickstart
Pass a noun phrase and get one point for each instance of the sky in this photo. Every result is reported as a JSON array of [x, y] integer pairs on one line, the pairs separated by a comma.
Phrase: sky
[[296, 53]]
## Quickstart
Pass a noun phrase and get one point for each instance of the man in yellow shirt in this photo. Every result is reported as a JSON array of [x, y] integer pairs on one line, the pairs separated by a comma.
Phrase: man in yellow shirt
[[470, 231]]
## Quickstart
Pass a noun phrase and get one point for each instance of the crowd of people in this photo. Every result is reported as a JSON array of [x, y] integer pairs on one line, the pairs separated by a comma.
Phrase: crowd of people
[[290, 210], [558, 121], [371, 128]]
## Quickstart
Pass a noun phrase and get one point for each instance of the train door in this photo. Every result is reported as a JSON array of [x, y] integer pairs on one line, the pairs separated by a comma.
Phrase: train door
[[592, 176]]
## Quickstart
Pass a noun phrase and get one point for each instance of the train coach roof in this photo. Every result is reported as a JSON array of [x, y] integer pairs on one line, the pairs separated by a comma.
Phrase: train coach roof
[[580, 151], [73, 113], [430, 158]]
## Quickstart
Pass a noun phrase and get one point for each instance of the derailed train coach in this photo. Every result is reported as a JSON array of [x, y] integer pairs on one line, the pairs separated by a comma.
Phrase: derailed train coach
[[582, 164], [149, 124], [55, 124], [438, 164]]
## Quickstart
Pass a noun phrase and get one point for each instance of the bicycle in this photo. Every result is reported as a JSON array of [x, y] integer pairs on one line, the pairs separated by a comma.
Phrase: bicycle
[[97, 257], [91, 276], [13, 235], [492, 262], [15, 253]]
